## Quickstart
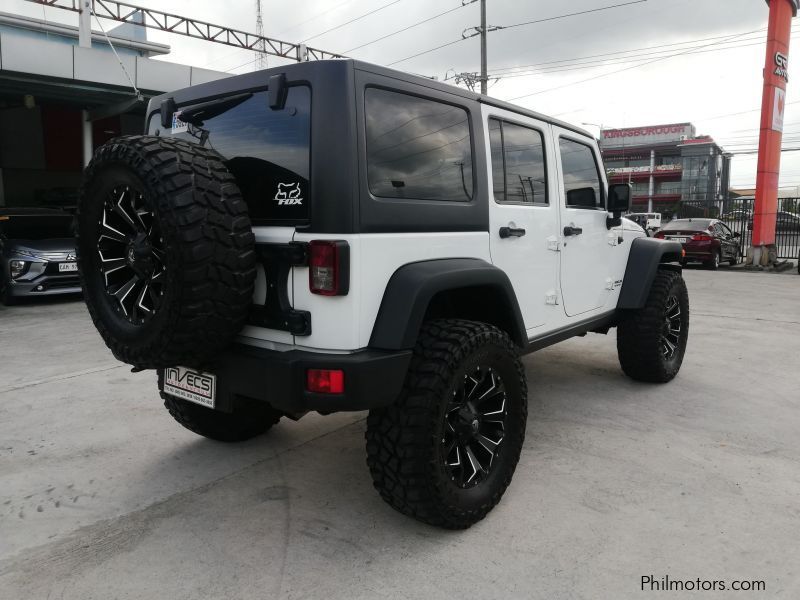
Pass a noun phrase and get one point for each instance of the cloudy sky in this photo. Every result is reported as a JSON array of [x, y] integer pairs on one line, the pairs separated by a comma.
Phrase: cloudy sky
[[643, 63]]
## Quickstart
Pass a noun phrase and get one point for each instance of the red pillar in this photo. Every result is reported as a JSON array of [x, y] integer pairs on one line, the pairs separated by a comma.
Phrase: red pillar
[[773, 101]]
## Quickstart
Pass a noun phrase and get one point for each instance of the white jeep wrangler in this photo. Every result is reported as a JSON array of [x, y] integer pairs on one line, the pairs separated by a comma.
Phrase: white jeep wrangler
[[337, 236]]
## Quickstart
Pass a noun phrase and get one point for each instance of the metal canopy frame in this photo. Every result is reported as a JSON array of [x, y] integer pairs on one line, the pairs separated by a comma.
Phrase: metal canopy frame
[[171, 23]]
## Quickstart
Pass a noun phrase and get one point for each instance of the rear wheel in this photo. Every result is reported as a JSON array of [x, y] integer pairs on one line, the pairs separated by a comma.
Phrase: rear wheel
[[248, 419], [445, 452], [713, 264], [651, 341]]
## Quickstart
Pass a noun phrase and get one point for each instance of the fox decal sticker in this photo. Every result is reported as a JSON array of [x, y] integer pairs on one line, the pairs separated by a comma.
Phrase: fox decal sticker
[[288, 193]]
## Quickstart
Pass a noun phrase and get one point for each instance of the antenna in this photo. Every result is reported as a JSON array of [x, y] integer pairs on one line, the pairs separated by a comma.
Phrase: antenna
[[261, 45]]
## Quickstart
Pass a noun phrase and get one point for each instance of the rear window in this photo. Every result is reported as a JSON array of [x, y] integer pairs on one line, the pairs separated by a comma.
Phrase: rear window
[[687, 225], [268, 151], [417, 148]]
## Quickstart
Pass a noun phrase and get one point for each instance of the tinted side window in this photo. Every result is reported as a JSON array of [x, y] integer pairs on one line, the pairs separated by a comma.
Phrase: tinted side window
[[581, 177], [417, 148], [518, 165]]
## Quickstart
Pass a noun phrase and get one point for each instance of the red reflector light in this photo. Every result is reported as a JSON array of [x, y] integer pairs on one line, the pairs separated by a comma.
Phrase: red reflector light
[[328, 267], [702, 237], [325, 381], [659, 235]]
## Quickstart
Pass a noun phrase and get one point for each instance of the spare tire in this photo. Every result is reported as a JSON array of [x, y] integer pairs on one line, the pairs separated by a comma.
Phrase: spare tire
[[165, 251]]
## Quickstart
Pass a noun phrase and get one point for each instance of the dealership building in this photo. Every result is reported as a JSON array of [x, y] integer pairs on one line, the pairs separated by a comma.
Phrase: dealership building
[[666, 165], [63, 93]]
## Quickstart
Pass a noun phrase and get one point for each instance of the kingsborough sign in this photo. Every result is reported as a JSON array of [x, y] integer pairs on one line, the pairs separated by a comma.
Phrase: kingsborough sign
[[645, 136]]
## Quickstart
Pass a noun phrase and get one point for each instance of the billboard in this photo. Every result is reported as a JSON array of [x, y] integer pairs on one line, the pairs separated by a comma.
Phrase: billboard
[[646, 136]]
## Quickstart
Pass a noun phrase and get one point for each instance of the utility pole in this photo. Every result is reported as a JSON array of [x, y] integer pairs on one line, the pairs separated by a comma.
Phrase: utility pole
[[261, 46], [484, 78]]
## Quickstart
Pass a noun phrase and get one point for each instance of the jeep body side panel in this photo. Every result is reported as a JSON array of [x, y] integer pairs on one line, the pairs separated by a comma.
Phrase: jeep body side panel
[[345, 323], [645, 257], [412, 287]]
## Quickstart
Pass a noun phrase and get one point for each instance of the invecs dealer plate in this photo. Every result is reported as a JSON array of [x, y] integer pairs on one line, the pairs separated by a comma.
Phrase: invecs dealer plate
[[194, 386]]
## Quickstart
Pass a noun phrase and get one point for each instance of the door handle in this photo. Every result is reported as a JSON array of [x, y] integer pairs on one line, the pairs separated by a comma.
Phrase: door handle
[[507, 232], [570, 230]]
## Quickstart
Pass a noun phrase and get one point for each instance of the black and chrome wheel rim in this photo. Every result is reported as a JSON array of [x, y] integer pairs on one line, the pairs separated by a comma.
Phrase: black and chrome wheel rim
[[130, 249], [474, 427], [671, 328]]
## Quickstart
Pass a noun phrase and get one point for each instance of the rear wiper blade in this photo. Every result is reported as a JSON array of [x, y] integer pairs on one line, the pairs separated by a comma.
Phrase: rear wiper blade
[[207, 110]]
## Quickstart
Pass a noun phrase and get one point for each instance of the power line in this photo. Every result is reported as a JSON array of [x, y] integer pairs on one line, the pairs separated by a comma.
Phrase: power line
[[353, 20], [583, 12], [315, 17], [566, 60], [622, 70], [564, 16], [388, 35], [577, 65]]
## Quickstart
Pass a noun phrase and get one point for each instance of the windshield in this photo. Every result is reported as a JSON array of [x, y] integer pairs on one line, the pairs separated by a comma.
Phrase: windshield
[[30, 227], [268, 151], [687, 225]]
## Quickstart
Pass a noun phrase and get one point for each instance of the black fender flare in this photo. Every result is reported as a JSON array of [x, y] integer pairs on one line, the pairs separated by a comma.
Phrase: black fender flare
[[647, 255], [412, 286]]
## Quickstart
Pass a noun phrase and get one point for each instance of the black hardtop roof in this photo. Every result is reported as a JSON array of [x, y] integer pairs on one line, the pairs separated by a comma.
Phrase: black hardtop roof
[[258, 78]]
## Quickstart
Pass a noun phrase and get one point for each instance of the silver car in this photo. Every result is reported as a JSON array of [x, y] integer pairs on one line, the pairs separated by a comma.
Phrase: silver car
[[37, 254]]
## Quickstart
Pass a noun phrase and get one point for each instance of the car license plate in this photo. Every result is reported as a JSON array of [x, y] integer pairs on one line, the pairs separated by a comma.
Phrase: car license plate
[[195, 386], [682, 240], [67, 267]]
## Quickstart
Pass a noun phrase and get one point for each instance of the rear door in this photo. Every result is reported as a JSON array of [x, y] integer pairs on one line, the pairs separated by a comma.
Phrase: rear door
[[523, 219], [587, 275], [268, 152]]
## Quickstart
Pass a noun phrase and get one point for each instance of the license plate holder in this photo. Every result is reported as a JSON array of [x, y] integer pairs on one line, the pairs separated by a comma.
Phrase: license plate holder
[[192, 385], [67, 267]]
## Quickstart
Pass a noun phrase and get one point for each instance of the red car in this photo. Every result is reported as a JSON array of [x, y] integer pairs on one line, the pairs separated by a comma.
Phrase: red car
[[709, 241]]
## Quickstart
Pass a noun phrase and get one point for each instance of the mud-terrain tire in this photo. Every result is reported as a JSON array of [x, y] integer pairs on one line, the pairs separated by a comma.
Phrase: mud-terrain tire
[[412, 445], [247, 420], [651, 341], [170, 216]]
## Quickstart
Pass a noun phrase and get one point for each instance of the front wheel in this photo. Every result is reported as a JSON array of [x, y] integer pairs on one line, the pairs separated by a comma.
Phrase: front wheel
[[651, 341], [445, 451]]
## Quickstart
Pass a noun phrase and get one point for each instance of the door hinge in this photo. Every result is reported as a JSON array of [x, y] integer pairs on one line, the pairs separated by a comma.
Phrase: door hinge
[[553, 243], [609, 283], [551, 298]]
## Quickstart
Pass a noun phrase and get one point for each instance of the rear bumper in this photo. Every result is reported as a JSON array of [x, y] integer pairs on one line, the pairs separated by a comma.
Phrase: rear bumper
[[373, 378]]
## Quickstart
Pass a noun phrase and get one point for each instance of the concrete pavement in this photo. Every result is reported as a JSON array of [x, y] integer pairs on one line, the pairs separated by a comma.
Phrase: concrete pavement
[[103, 496]]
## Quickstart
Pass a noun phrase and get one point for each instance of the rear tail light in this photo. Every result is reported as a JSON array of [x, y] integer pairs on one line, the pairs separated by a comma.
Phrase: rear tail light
[[702, 237], [659, 235], [325, 381], [329, 267]]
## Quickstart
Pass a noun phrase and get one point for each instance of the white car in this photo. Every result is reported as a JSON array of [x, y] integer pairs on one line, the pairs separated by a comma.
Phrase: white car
[[650, 222], [338, 236]]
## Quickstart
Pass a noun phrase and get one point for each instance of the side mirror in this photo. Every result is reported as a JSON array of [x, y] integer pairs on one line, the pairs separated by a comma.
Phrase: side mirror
[[736, 234], [619, 201]]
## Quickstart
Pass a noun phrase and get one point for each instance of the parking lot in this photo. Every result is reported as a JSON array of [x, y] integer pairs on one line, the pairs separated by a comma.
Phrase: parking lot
[[102, 495]]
